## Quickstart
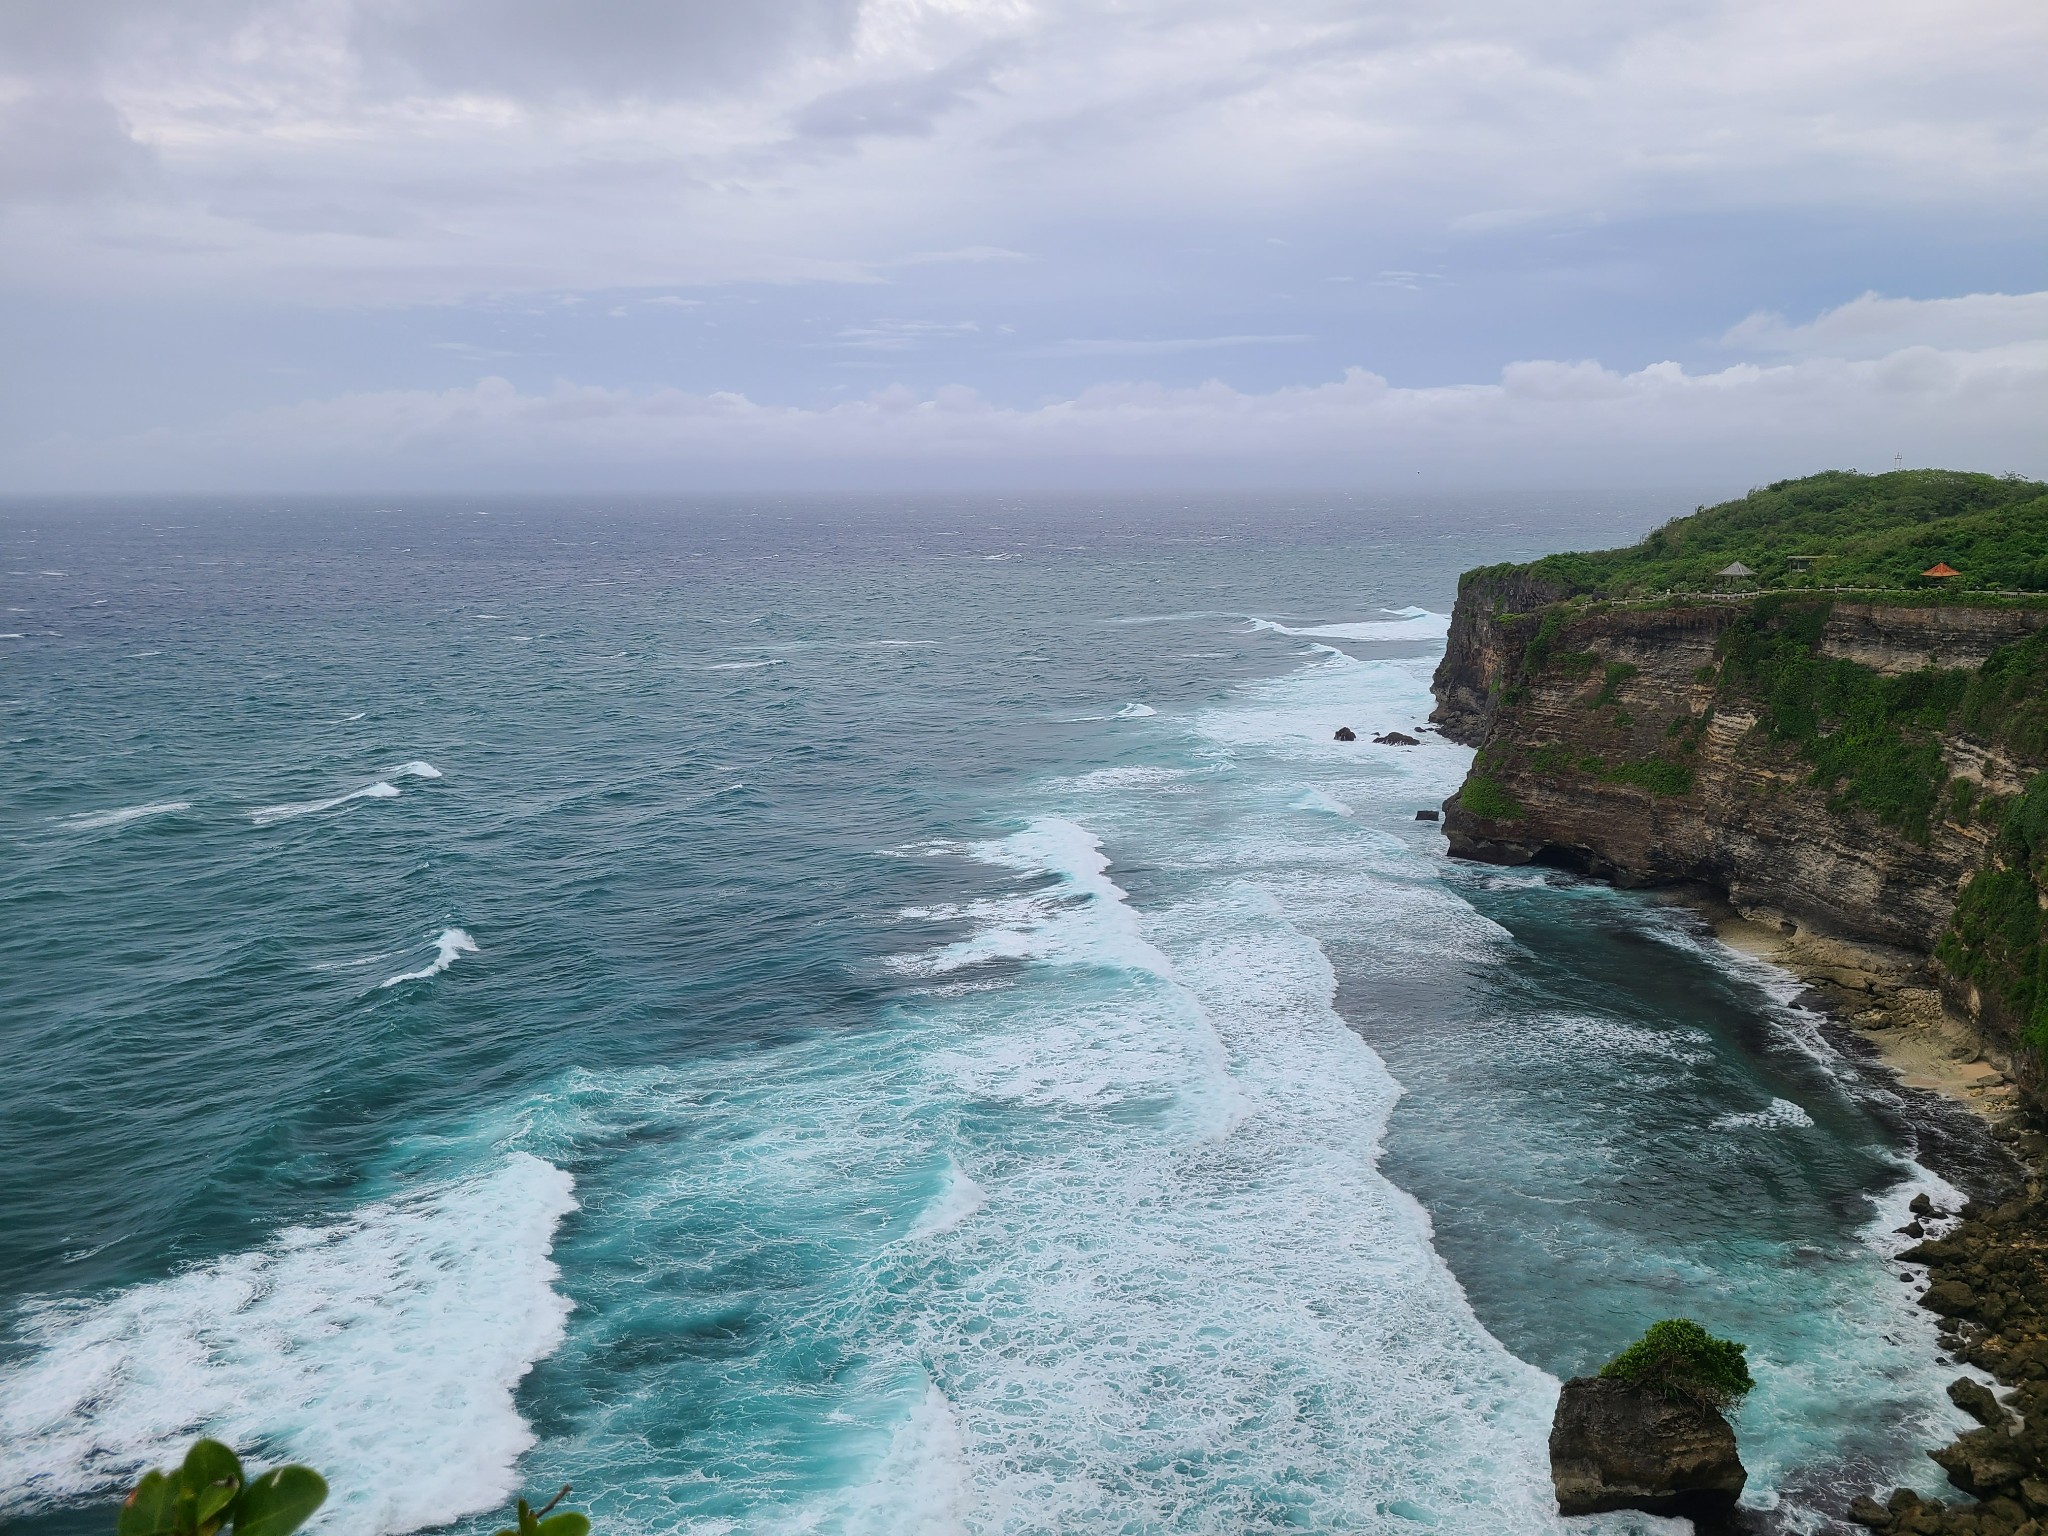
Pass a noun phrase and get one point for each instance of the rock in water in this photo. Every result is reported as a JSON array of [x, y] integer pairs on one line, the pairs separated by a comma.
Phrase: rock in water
[[1614, 1446], [1345, 733]]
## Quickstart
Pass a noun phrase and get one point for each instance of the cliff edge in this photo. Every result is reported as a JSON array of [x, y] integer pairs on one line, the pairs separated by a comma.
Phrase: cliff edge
[[1863, 764]]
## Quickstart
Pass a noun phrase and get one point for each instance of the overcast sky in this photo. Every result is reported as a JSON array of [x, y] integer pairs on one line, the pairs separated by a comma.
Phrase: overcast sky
[[698, 244]]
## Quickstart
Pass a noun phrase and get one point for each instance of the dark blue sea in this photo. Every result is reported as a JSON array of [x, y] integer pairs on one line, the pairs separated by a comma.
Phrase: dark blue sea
[[866, 1016]]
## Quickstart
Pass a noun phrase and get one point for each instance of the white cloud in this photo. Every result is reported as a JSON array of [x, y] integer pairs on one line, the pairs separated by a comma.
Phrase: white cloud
[[974, 254], [1872, 325], [902, 335], [1168, 346], [402, 150], [1540, 422]]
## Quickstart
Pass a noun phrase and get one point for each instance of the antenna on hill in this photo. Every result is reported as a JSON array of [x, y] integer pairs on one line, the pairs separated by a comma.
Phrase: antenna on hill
[[1898, 462]]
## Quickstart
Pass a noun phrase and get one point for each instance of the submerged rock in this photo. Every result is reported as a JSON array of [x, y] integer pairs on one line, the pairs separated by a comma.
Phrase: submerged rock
[[1614, 1446], [1397, 739]]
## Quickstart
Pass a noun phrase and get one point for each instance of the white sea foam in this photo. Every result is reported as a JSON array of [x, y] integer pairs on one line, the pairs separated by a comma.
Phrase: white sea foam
[[1148, 1289], [1083, 920], [959, 1197], [1313, 799], [1779, 1114], [1407, 624], [381, 790], [383, 1349], [1125, 776], [448, 945], [745, 666], [89, 821], [1134, 712]]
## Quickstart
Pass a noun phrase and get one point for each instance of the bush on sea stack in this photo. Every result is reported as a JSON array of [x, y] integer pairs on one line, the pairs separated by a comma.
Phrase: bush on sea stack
[[1647, 1432], [1679, 1359]]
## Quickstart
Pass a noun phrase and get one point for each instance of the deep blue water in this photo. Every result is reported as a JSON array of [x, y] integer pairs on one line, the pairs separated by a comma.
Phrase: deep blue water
[[858, 1017]]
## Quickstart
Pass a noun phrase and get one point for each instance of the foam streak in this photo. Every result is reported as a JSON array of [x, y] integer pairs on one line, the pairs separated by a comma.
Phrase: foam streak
[[383, 1349]]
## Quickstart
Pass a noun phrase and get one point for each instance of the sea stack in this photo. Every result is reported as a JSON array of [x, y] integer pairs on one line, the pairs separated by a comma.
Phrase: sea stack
[[1617, 1446]]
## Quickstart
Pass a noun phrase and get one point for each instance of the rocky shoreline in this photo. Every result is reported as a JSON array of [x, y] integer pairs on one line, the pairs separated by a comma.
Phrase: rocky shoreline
[[1985, 1267], [1988, 1281], [1888, 997]]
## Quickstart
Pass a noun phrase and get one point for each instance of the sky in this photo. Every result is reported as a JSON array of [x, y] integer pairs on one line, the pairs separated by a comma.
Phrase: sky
[[691, 245]]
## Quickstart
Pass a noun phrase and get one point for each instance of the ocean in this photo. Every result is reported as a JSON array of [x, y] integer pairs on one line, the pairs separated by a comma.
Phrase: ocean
[[868, 1015]]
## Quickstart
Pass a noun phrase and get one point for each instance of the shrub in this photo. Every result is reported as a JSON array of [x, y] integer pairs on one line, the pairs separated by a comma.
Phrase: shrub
[[1658, 775], [1485, 798], [1618, 672], [209, 1491], [1679, 1359]]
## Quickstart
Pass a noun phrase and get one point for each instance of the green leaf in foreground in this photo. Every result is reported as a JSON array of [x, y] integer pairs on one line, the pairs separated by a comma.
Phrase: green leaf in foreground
[[152, 1508], [279, 1502]]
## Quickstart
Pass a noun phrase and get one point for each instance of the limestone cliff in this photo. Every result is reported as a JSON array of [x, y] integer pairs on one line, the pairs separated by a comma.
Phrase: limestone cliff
[[1813, 760]]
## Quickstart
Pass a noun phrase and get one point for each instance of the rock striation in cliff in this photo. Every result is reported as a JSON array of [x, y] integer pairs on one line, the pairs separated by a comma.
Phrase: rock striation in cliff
[[1860, 765], [1621, 754]]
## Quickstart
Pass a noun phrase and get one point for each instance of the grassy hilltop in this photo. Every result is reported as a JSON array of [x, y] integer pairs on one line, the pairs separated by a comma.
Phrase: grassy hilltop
[[1868, 530]]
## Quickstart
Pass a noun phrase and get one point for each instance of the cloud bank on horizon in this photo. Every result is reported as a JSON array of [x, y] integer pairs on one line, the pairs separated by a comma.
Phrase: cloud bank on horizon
[[677, 244]]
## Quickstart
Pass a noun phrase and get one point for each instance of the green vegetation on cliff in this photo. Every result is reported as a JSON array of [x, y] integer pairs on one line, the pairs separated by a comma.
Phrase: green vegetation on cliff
[[1877, 531], [1874, 739], [1912, 751], [1998, 939], [1483, 796]]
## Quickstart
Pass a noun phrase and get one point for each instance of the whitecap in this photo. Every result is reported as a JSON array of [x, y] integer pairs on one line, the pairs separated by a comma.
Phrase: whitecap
[[384, 1348], [745, 666], [1313, 799], [448, 945], [1411, 624], [922, 1486], [416, 770], [1084, 920], [1779, 1114], [959, 1197], [89, 821], [1134, 712], [272, 813]]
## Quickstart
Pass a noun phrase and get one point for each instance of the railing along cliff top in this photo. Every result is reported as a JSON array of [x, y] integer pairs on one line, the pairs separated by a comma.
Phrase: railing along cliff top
[[1925, 595]]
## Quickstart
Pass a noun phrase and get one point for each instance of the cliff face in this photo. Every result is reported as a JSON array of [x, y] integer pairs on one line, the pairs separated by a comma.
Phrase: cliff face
[[1625, 743], [1480, 652]]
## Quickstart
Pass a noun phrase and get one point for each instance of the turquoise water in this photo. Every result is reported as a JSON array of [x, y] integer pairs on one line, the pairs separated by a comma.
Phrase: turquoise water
[[855, 1018]]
